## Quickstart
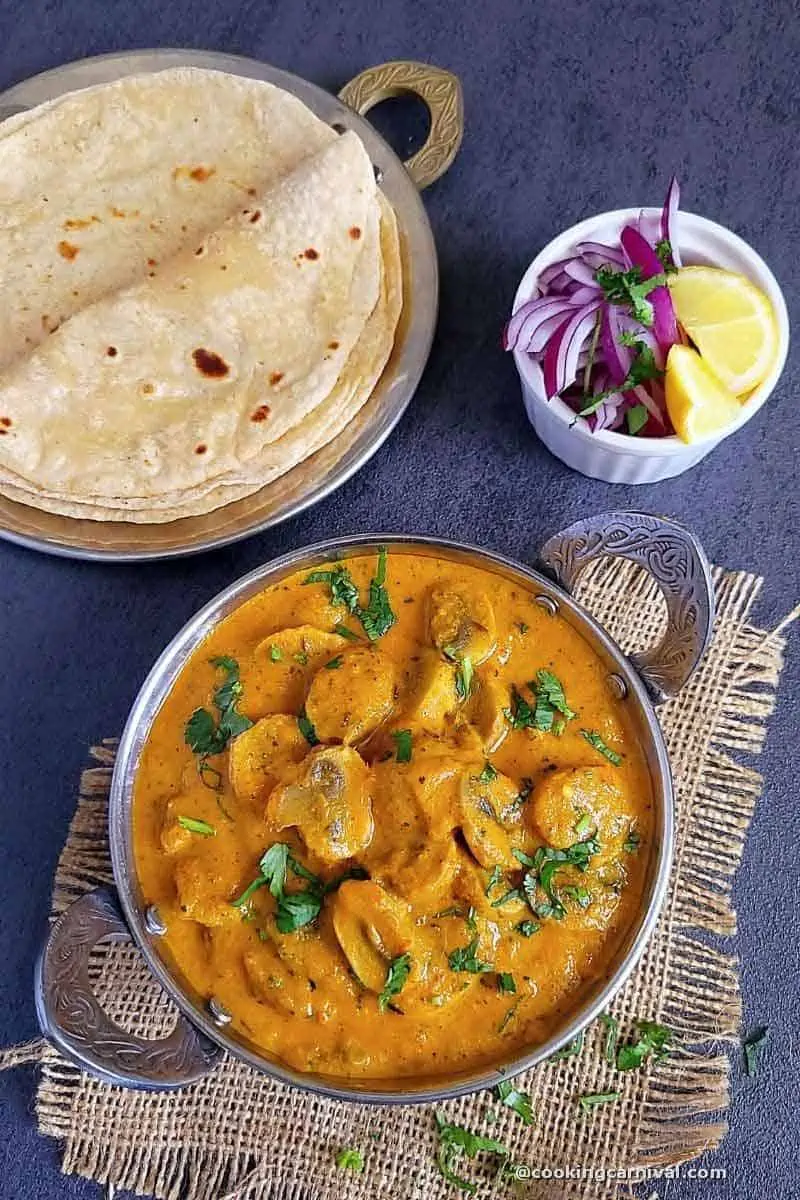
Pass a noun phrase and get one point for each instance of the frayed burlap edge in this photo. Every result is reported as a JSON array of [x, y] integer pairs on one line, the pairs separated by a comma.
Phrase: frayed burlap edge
[[667, 1115]]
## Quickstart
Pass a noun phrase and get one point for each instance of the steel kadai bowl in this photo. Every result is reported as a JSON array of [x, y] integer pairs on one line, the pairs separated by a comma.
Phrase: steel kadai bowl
[[69, 1012]]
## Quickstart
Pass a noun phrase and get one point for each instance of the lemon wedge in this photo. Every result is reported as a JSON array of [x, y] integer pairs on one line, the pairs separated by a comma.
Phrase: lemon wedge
[[698, 404], [730, 321]]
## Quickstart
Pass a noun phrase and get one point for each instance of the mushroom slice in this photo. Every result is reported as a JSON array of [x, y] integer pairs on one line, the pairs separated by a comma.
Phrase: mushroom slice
[[487, 711], [328, 802], [205, 890], [351, 695], [433, 697], [259, 756], [574, 801], [270, 979], [461, 623], [484, 805], [373, 927], [276, 677], [424, 874]]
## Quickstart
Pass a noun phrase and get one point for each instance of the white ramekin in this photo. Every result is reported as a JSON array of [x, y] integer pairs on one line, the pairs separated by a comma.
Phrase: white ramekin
[[617, 457]]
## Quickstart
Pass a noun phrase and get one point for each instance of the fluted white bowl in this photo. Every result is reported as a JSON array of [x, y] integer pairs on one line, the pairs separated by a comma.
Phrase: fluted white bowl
[[618, 457]]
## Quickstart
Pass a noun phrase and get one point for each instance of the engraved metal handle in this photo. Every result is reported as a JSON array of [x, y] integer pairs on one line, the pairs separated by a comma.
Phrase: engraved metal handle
[[440, 91], [72, 1019], [674, 558]]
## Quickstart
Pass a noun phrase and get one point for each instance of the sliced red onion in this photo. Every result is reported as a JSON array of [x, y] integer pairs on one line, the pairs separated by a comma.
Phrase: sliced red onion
[[668, 215], [530, 315], [564, 347], [541, 336], [642, 255], [640, 395], [585, 295], [551, 272], [578, 270], [618, 358], [610, 256]]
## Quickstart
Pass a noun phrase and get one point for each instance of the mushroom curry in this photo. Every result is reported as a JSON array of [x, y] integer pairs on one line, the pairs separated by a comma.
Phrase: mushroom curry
[[393, 817]]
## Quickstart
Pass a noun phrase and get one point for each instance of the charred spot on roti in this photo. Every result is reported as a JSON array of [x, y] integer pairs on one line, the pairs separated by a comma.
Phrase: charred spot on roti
[[81, 222], [255, 216], [148, 389], [68, 251], [199, 174], [260, 414], [201, 449], [334, 345], [6, 422], [3, 432], [251, 191], [151, 262], [311, 253], [209, 363], [112, 351], [355, 232], [275, 378], [200, 251]]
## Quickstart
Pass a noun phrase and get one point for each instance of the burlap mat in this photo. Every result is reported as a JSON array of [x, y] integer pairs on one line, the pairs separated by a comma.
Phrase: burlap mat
[[238, 1136]]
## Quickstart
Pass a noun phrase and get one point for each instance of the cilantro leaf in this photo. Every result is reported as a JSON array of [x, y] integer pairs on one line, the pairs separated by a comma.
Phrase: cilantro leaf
[[296, 909], [664, 252], [403, 745], [487, 774], [350, 1160], [527, 928], [612, 1033], [464, 959], [518, 1102], [632, 841], [464, 677], [636, 418], [643, 368], [344, 632], [506, 982], [494, 878], [752, 1045], [592, 1099], [273, 865], [377, 618], [396, 977], [571, 1049], [275, 653], [196, 826], [307, 729], [594, 739], [550, 700], [334, 663], [201, 734], [455, 1140], [653, 1040], [629, 290]]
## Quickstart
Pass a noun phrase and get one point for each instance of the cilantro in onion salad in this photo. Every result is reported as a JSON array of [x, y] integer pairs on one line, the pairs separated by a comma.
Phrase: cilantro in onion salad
[[603, 323]]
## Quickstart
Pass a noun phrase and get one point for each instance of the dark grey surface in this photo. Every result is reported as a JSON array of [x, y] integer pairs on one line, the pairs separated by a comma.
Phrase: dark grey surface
[[570, 108]]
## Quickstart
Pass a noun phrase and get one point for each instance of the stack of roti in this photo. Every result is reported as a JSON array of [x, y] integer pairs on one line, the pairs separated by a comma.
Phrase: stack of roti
[[200, 287]]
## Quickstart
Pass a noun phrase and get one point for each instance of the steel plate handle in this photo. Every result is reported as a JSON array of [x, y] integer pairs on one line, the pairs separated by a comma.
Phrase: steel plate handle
[[439, 90], [72, 1019], [676, 561]]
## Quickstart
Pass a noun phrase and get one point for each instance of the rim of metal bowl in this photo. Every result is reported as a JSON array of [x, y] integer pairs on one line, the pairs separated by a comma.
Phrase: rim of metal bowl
[[158, 685], [420, 286]]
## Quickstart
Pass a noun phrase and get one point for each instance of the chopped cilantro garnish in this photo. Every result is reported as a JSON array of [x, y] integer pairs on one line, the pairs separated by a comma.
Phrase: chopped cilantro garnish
[[275, 653], [571, 1049], [487, 774], [664, 252], [581, 895], [592, 1099], [642, 369], [506, 982], [334, 663], [294, 909], [403, 745], [628, 289], [527, 928], [464, 676], [464, 959], [495, 878], [344, 632], [307, 729], [612, 1032], [583, 825], [636, 418], [350, 1160], [510, 1014], [752, 1045], [550, 701], [518, 1102], [377, 617], [196, 826], [203, 734], [632, 841], [455, 1140], [594, 739], [507, 897], [301, 658], [653, 1040], [396, 977]]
